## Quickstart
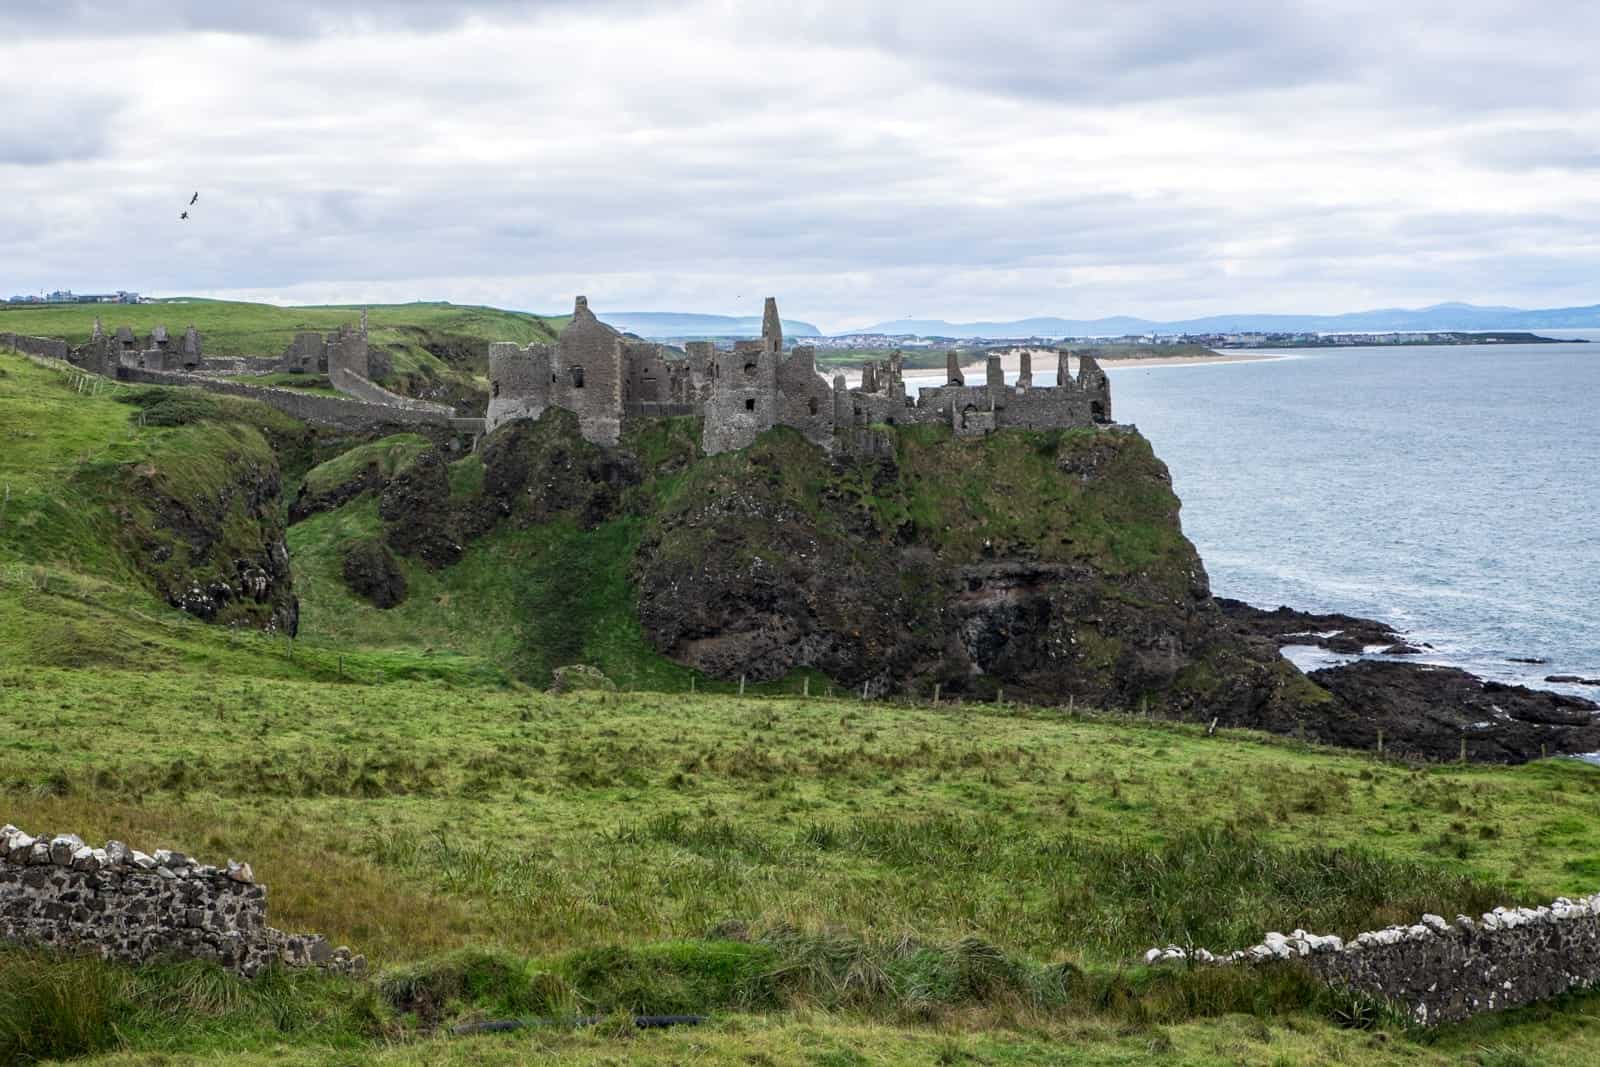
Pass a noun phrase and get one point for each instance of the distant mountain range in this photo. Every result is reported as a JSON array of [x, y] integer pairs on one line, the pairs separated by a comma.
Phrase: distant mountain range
[[660, 325], [1437, 317]]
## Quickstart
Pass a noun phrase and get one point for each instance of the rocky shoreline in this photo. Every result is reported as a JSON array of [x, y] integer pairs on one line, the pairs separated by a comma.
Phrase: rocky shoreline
[[1419, 709]]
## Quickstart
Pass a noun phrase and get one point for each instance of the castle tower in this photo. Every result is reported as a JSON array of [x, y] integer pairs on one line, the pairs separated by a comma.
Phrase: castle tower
[[587, 374], [191, 348], [1063, 370], [1094, 381], [952, 369], [994, 373], [771, 326], [1025, 373]]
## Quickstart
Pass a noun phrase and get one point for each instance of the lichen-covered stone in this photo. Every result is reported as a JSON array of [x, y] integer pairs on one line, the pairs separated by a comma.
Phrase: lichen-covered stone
[[1445, 972], [125, 905]]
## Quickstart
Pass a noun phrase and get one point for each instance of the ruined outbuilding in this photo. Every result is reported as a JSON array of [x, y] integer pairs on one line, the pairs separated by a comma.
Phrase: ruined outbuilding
[[606, 378]]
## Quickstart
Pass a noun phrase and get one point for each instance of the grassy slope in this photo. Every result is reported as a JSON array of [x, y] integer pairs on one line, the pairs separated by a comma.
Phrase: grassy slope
[[231, 328], [411, 802]]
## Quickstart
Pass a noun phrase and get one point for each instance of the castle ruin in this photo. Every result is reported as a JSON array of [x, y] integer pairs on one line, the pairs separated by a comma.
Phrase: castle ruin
[[606, 378]]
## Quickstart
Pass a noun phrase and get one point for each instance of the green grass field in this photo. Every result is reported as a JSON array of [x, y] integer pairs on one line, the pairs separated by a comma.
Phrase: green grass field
[[832, 881], [431, 346]]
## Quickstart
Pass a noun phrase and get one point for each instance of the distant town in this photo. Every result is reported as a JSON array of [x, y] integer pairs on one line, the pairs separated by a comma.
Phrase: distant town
[[67, 296], [868, 341]]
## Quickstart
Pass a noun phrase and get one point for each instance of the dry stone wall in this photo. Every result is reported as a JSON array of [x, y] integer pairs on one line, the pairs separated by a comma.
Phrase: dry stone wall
[[1443, 971], [131, 907]]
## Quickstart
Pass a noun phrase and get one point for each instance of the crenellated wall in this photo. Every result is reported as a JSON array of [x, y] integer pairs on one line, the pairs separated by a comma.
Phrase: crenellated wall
[[131, 907]]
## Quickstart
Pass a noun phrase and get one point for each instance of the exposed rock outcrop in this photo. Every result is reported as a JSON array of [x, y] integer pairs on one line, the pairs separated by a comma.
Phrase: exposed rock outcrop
[[1332, 631], [1427, 711], [1049, 565]]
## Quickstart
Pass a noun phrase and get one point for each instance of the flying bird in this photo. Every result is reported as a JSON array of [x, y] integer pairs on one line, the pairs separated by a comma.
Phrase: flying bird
[[193, 198], [184, 215]]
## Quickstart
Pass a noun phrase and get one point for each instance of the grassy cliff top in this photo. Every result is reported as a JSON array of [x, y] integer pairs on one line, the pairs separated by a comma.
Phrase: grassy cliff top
[[234, 328], [436, 350]]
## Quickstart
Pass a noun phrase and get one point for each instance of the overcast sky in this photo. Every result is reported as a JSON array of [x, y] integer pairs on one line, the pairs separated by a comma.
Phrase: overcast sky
[[862, 161]]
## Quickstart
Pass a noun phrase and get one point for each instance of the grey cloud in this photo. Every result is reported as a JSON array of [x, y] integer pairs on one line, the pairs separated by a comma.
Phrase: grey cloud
[[1457, 57], [271, 18], [1533, 149], [39, 129]]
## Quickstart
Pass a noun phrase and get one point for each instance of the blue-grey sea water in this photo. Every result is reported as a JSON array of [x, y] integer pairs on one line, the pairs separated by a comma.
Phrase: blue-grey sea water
[[1453, 492]]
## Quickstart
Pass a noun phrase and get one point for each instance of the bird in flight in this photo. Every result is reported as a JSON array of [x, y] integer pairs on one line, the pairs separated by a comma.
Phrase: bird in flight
[[184, 215], [194, 198]]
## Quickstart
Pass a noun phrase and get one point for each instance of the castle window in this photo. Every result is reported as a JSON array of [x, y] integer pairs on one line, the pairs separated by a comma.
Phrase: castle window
[[812, 404], [577, 377], [750, 369], [750, 405], [494, 388]]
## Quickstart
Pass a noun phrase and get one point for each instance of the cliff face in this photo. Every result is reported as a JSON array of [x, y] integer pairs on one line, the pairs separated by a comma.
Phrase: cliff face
[[1051, 565]]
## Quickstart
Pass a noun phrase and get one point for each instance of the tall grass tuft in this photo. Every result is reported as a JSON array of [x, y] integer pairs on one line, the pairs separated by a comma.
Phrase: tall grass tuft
[[55, 1008]]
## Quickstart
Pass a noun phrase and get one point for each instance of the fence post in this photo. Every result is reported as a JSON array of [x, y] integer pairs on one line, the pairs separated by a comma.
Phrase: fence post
[[1000, 694], [805, 686], [937, 686], [1380, 743], [741, 685]]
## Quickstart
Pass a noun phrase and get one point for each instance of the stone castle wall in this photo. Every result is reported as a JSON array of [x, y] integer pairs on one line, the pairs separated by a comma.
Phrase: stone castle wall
[[365, 389], [48, 347], [742, 393], [1442, 971], [127, 906], [341, 413]]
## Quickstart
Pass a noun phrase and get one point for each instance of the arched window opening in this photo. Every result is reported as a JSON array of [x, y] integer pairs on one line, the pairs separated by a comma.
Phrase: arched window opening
[[577, 377]]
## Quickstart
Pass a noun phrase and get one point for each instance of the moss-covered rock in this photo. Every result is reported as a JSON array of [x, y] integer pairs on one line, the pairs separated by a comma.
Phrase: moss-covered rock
[[372, 573], [364, 468]]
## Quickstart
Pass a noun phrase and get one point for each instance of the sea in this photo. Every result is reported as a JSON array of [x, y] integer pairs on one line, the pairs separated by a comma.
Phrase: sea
[[1452, 492]]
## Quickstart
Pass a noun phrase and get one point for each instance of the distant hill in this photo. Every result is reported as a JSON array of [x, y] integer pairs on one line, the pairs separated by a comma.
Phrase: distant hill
[[1438, 317], [662, 324]]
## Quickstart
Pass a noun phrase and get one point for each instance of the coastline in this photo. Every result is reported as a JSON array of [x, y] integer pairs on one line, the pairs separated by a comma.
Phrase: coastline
[[1044, 361], [1012, 365]]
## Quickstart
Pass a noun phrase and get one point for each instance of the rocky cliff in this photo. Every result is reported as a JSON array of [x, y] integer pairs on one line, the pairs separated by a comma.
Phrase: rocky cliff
[[1049, 565]]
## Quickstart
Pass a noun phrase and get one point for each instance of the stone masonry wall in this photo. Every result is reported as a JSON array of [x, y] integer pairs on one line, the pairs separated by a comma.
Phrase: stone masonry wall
[[365, 389], [1443, 971], [130, 907], [336, 411], [35, 346]]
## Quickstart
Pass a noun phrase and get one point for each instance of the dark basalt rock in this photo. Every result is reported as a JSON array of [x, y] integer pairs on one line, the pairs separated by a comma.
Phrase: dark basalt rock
[[778, 558], [1426, 711], [1347, 634], [417, 514], [1571, 679], [372, 573]]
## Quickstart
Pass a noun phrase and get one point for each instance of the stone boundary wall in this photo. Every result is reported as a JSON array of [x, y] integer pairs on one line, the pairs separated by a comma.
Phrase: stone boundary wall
[[349, 382], [339, 412], [50, 347], [127, 906], [1443, 971], [240, 365]]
